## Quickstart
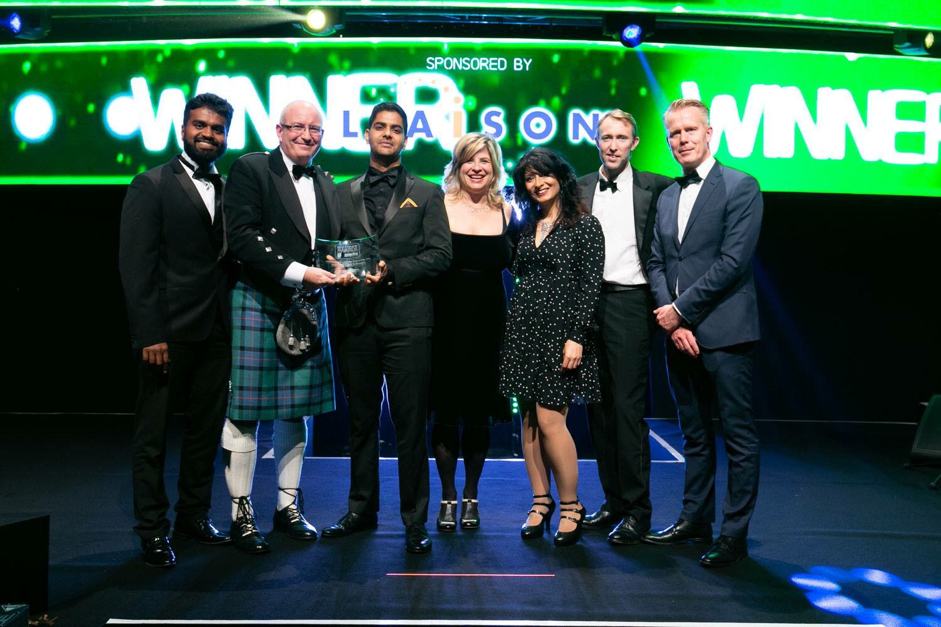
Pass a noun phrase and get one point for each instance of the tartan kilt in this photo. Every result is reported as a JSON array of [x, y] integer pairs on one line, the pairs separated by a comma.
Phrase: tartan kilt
[[268, 384]]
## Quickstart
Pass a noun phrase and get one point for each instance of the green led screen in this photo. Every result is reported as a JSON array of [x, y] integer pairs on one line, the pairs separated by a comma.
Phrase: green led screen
[[908, 13], [798, 121]]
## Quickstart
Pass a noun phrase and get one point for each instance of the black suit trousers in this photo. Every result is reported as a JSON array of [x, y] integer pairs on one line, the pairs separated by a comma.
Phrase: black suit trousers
[[404, 357], [197, 382], [717, 384], [618, 430]]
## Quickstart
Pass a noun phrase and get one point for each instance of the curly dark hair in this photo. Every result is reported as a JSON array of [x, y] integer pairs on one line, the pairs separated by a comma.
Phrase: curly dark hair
[[546, 162]]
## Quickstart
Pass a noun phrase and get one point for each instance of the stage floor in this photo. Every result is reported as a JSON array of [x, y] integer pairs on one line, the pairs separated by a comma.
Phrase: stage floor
[[839, 524]]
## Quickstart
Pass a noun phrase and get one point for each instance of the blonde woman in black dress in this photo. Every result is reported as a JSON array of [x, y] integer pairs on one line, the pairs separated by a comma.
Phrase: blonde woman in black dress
[[470, 313], [549, 359]]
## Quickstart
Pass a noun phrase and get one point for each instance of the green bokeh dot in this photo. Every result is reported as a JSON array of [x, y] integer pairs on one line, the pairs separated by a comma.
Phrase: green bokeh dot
[[221, 54], [201, 66], [91, 107], [642, 91], [27, 66], [120, 157]]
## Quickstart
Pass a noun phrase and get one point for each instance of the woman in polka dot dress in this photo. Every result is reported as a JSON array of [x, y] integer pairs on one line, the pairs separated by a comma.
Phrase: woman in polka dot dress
[[549, 359]]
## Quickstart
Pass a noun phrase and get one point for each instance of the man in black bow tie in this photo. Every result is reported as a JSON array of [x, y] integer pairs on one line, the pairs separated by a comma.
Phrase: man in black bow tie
[[385, 324], [277, 206], [624, 200], [173, 269], [701, 274]]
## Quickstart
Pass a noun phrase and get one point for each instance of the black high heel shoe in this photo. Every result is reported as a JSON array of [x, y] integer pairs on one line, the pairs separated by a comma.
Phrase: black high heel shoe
[[447, 516], [528, 532], [470, 514], [565, 538]]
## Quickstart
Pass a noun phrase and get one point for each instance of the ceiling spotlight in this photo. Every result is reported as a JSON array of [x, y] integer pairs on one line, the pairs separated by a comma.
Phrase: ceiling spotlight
[[632, 35], [15, 24], [914, 43], [322, 22], [28, 24], [631, 30]]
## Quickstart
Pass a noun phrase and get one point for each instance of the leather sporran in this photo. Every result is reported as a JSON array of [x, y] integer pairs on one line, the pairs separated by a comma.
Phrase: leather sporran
[[299, 331]]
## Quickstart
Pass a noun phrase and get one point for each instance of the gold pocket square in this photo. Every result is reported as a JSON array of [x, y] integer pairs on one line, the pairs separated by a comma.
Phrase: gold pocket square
[[408, 202]]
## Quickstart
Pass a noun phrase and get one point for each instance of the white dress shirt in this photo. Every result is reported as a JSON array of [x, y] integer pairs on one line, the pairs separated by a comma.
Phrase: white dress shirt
[[688, 197], [294, 275], [615, 211], [205, 188]]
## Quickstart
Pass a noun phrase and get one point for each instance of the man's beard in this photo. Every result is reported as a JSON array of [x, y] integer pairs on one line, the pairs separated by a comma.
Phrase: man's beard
[[203, 157]]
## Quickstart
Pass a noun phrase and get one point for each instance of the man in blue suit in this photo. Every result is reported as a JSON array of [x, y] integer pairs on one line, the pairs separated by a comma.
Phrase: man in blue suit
[[700, 272]]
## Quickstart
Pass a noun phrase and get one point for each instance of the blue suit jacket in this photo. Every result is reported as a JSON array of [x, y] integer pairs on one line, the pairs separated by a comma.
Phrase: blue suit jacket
[[714, 262]]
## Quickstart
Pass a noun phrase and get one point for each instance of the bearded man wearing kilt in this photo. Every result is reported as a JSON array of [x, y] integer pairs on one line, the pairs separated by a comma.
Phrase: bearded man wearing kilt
[[276, 206]]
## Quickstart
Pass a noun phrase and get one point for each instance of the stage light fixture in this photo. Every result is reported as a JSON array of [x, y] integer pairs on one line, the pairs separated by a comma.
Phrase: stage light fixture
[[632, 35], [915, 43], [630, 30], [15, 24], [30, 25], [321, 22]]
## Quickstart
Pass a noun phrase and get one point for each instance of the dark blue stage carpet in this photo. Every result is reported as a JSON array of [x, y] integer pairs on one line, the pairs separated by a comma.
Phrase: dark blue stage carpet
[[839, 524]]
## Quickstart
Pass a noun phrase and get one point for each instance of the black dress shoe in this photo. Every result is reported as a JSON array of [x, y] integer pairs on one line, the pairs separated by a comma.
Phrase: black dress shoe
[[447, 516], [291, 519], [157, 552], [470, 514], [679, 532], [628, 531], [201, 529], [351, 523], [725, 552], [602, 519], [244, 530], [416, 539]]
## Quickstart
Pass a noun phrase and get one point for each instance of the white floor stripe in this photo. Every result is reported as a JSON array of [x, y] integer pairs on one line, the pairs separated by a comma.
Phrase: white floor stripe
[[677, 458]]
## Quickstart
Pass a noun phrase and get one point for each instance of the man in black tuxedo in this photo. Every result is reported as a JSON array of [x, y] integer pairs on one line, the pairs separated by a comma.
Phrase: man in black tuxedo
[[625, 202], [173, 269], [277, 206], [707, 229], [385, 324]]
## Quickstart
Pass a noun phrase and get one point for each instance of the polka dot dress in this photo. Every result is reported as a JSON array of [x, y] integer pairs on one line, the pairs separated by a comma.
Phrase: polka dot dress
[[557, 289]]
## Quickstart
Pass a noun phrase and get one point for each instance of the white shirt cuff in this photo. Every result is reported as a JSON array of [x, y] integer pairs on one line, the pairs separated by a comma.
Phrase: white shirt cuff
[[679, 312], [294, 275]]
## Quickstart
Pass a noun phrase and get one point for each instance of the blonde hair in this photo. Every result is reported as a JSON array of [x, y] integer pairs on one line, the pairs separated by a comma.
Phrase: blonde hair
[[464, 151], [618, 114], [687, 103]]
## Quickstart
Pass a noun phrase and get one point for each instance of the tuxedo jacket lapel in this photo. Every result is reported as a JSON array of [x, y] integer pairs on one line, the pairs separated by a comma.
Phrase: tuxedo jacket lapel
[[328, 201], [183, 177], [402, 189], [356, 190], [284, 183], [642, 198], [708, 186]]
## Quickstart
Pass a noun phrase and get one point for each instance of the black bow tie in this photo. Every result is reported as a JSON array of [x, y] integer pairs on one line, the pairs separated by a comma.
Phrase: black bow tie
[[303, 170], [374, 176], [203, 174], [692, 177], [604, 185]]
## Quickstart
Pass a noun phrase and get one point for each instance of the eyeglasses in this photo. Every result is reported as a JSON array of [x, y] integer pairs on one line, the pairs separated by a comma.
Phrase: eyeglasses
[[298, 129]]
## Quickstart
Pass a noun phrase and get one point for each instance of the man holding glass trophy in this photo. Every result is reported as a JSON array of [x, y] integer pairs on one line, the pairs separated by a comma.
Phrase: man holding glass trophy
[[277, 206], [385, 320]]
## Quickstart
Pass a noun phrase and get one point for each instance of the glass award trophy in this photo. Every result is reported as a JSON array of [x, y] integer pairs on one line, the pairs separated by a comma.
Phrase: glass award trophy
[[354, 256]]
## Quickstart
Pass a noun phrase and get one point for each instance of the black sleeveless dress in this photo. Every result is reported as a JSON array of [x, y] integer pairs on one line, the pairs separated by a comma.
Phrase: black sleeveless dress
[[470, 315]]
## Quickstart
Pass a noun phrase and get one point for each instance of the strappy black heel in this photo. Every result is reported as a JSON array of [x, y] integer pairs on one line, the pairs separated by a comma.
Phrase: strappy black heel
[[528, 532], [565, 538]]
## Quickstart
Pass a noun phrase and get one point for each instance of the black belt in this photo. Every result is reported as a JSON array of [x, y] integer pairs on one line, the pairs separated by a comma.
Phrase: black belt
[[607, 288]]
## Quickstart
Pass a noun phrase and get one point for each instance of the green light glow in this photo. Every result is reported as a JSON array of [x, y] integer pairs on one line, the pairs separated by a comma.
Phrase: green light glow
[[798, 121]]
